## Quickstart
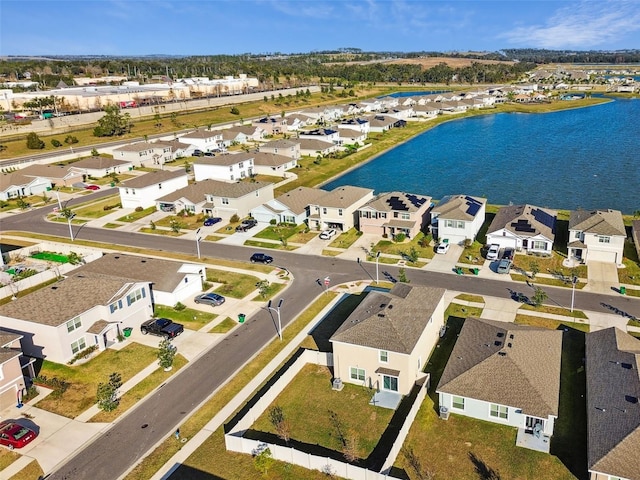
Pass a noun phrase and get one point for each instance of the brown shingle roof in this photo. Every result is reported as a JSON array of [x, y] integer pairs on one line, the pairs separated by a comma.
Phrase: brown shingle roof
[[613, 409], [134, 147], [225, 160], [99, 162], [197, 192], [280, 144], [397, 201], [58, 303], [270, 159], [456, 207], [203, 134], [541, 220], [298, 199], [343, 197], [47, 171], [600, 222], [13, 179], [635, 233], [314, 144], [7, 337], [392, 321], [153, 178], [524, 375]]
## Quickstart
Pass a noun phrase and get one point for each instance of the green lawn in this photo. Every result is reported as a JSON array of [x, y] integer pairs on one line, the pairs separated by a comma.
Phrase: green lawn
[[271, 292], [392, 248], [135, 216], [235, 285], [551, 265], [224, 326], [472, 254], [189, 222], [96, 210], [345, 239], [631, 273], [470, 298], [84, 378], [190, 318], [269, 245], [7, 457], [555, 310], [158, 231], [31, 471], [546, 281], [278, 232], [550, 323]]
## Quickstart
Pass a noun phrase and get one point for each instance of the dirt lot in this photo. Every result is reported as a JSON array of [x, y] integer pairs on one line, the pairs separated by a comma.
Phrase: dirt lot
[[429, 62]]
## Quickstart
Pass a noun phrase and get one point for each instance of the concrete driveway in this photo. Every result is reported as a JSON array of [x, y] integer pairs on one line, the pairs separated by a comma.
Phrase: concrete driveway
[[602, 276], [445, 262]]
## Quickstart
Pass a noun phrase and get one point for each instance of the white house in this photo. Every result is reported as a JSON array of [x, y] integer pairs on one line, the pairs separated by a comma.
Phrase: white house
[[291, 207], [227, 168], [296, 121], [457, 218], [99, 167], [596, 235], [252, 132], [138, 154], [58, 175], [204, 140], [381, 123], [15, 184], [233, 137], [360, 124], [272, 164], [523, 227], [287, 148], [313, 148], [144, 190], [338, 208], [507, 374], [351, 137], [272, 125], [82, 310], [170, 282], [12, 368], [324, 134]]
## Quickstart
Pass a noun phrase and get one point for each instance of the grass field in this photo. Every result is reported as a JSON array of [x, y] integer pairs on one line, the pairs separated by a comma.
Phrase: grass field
[[190, 318]]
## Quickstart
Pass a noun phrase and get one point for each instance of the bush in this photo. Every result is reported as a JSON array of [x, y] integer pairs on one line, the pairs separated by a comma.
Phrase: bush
[[139, 209], [34, 142], [178, 307], [56, 143], [70, 139], [234, 218], [58, 386], [273, 221], [83, 354], [399, 238], [235, 111]]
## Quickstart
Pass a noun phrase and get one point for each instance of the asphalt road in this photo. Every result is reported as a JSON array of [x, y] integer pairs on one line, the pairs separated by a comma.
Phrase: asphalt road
[[111, 454]]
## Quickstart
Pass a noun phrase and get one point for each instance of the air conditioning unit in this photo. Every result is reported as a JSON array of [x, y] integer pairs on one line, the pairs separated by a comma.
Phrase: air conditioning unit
[[444, 413], [337, 384]]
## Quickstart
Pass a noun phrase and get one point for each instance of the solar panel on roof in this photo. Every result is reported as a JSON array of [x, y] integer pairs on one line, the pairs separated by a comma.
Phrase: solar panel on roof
[[471, 200], [473, 209], [415, 200]]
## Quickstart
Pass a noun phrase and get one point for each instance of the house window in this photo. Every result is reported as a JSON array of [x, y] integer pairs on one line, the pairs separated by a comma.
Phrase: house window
[[126, 190], [537, 245], [159, 186], [405, 216], [498, 411], [324, 210], [604, 239], [460, 224], [576, 235], [78, 345], [339, 212], [231, 168], [135, 296], [357, 374], [457, 402], [384, 356], [115, 306], [240, 165], [225, 201], [73, 324]]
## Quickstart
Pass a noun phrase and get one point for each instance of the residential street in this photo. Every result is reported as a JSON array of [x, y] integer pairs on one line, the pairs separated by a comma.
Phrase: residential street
[[111, 454]]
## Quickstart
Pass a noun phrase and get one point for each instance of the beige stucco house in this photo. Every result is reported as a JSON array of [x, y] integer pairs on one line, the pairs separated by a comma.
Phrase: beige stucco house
[[386, 341], [389, 214], [596, 235], [12, 376], [338, 208]]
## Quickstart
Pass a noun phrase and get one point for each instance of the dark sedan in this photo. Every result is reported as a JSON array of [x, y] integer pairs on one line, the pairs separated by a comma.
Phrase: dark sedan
[[210, 299], [211, 221]]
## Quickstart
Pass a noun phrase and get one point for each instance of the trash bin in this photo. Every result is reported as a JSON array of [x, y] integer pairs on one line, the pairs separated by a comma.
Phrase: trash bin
[[127, 331], [241, 317], [623, 290], [113, 184], [476, 271], [459, 271]]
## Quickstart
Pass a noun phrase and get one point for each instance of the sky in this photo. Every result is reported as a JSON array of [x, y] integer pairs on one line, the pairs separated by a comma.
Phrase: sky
[[209, 27]]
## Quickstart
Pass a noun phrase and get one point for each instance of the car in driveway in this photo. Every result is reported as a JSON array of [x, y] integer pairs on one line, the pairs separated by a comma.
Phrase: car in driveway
[[92, 187], [328, 234], [504, 266], [493, 252], [13, 435], [261, 258], [508, 253], [442, 248], [246, 225], [210, 299], [162, 327], [209, 221]]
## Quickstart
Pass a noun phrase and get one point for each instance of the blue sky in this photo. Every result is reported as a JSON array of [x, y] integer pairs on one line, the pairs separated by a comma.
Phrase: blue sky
[[184, 27]]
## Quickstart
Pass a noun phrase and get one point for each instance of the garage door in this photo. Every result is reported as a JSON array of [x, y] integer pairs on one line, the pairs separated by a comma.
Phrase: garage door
[[601, 256], [8, 398]]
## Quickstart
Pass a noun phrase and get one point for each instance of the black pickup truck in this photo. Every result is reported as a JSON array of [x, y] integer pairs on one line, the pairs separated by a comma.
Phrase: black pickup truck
[[163, 327]]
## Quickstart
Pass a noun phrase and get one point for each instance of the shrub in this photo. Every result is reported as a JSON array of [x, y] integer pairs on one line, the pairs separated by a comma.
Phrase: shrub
[[70, 139], [56, 143], [34, 142], [178, 307], [234, 218], [399, 238], [139, 209], [235, 111], [83, 354], [273, 221], [57, 385]]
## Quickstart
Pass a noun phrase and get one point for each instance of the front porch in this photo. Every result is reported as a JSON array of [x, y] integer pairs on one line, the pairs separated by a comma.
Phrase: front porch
[[533, 440]]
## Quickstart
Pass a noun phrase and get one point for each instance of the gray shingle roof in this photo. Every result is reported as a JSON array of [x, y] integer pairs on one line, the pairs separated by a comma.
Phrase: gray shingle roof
[[298, 199], [8, 337], [225, 160], [47, 171], [343, 197], [280, 144], [99, 162], [134, 147], [541, 220], [202, 134], [315, 144], [635, 233], [153, 178], [600, 222], [197, 192], [455, 207], [58, 303], [392, 321], [524, 375], [270, 159], [390, 201], [613, 409], [13, 179]]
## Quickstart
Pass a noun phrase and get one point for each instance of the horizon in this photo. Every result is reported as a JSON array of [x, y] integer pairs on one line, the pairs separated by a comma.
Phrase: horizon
[[266, 27]]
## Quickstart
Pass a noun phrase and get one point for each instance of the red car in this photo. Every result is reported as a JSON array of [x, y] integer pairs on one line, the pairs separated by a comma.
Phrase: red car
[[92, 187], [14, 435]]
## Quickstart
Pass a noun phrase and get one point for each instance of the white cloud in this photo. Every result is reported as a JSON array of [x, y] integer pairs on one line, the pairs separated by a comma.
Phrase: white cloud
[[580, 25]]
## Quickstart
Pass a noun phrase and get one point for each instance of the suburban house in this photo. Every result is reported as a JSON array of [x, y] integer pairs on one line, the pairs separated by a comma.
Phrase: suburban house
[[389, 214], [15, 184], [596, 235], [217, 199], [386, 341], [297, 121], [287, 148], [204, 140], [324, 134], [381, 123], [613, 407], [170, 282], [144, 190], [272, 125], [64, 318], [430, 110], [272, 164], [233, 137], [524, 227], [505, 373], [360, 124], [12, 378], [313, 147], [338, 208], [135, 153], [227, 168], [252, 132], [351, 137], [291, 207], [98, 167], [59, 176], [170, 150], [323, 114], [457, 218]]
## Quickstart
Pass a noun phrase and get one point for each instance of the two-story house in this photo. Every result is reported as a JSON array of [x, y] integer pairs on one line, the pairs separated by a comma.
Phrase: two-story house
[[272, 125], [99, 167], [12, 377], [360, 124], [389, 214], [272, 164], [596, 235], [64, 318], [226, 168], [291, 207], [204, 140], [138, 154], [288, 148], [144, 190], [324, 134], [338, 208], [524, 227], [458, 218]]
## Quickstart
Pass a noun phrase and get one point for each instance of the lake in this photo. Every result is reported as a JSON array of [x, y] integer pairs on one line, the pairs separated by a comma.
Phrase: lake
[[580, 158]]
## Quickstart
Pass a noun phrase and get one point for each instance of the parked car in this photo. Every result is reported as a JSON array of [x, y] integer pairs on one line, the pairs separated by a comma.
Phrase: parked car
[[261, 258], [508, 253], [92, 187], [163, 327], [246, 225], [504, 266], [494, 250], [211, 221], [442, 248], [210, 299], [14, 435], [327, 234], [198, 153]]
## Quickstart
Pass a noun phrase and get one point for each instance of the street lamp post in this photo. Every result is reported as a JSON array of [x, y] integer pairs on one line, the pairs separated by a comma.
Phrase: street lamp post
[[377, 274], [277, 310], [574, 280], [59, 203], [198, 238]]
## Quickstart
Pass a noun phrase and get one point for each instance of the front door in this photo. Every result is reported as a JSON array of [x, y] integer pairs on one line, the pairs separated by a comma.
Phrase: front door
[[532, 423], [390, 383]]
